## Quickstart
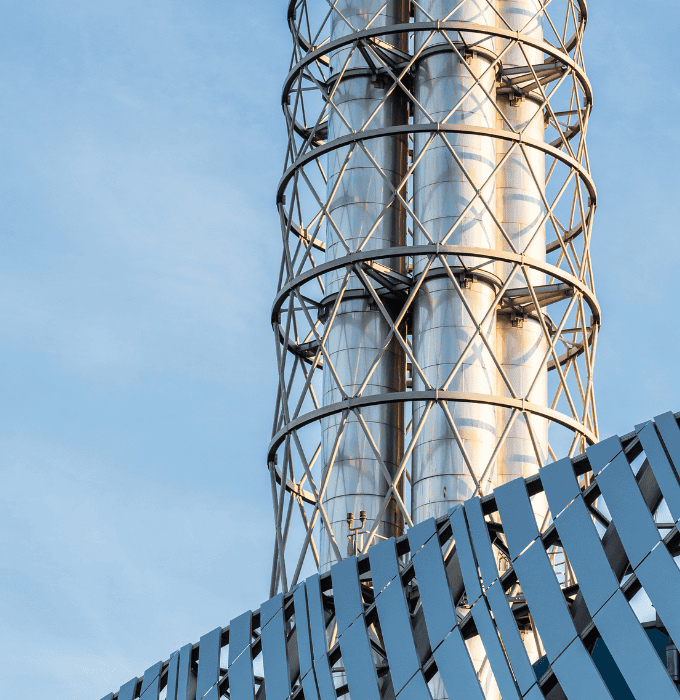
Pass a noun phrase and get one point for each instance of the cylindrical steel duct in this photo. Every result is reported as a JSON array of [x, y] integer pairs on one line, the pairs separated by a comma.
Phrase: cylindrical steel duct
[[520, 195], [454, 86], [436, 208], [362, 214]]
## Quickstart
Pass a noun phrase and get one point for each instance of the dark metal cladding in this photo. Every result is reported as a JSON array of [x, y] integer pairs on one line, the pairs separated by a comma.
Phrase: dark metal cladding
[[492, 600]]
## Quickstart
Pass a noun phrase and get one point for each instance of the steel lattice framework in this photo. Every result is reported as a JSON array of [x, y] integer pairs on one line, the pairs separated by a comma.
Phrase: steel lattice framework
[[401, 621], [394, 193]]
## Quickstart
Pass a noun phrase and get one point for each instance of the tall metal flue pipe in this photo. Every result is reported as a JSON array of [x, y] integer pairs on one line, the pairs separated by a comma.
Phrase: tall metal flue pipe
[[435, 321]]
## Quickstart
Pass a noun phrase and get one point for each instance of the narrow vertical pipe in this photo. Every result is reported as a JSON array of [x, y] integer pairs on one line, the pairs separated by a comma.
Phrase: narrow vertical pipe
[[359, 331], [442, 191]]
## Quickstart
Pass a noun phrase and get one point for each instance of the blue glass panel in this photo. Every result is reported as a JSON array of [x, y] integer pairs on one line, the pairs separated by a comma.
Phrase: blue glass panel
[[186, 680], [269, 608], [545, 600], [212, 694], [304, 642], [419, 534], [384, 564], [324, 679], [494, 650], [241, 678], [173, 668], [309, 689], [670, 434], [468, 565], [660, 578], [512, 640], [534, 693], [240, 635], [347, 593], [600, 454], [317, 619], [415, 689], [317, 626]]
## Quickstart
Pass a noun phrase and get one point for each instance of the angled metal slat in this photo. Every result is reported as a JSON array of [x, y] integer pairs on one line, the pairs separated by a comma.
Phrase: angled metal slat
[[274, 652], [544, 595], [632, 651], [304, 643], [127, 691], [184, 683], [317, 626], [151, 682], [670, 434], [480, 612], [661, 467], [450, 653], [355, 647], [208, 662], [610, 611], [627, 507], [240, 660], [394, 621]]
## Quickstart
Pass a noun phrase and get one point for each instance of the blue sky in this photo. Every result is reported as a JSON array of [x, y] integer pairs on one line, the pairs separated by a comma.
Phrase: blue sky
[[141, 145]]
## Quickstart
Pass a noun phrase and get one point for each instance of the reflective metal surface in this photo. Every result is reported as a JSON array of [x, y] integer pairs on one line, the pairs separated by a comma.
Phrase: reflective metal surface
[[454, 86], [151, 682], [274, 652], [463, 605], [361, 214], [209, 661], [435, 319]]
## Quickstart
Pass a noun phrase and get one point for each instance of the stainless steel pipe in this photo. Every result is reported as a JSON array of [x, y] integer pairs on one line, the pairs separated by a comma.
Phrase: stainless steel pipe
[[453, 88], [364, 214], [521, 212], [466, 107]]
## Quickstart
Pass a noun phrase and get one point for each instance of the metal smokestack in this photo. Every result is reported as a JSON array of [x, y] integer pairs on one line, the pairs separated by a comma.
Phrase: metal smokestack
[[435, 321]]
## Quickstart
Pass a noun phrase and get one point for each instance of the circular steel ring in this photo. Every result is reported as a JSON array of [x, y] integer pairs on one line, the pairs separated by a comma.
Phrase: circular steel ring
[[316, 55], [443, 129], [569, 45], [434, 249], [435, 395], [431, 249], [543, 46]]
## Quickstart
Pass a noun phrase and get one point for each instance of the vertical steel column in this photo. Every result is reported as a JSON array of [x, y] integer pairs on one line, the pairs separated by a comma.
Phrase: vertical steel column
[[358, 195], [456, 90]]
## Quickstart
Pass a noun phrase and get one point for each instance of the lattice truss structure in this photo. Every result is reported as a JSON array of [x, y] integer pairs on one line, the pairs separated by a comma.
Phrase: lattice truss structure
[[436, 198], [431, 615]]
